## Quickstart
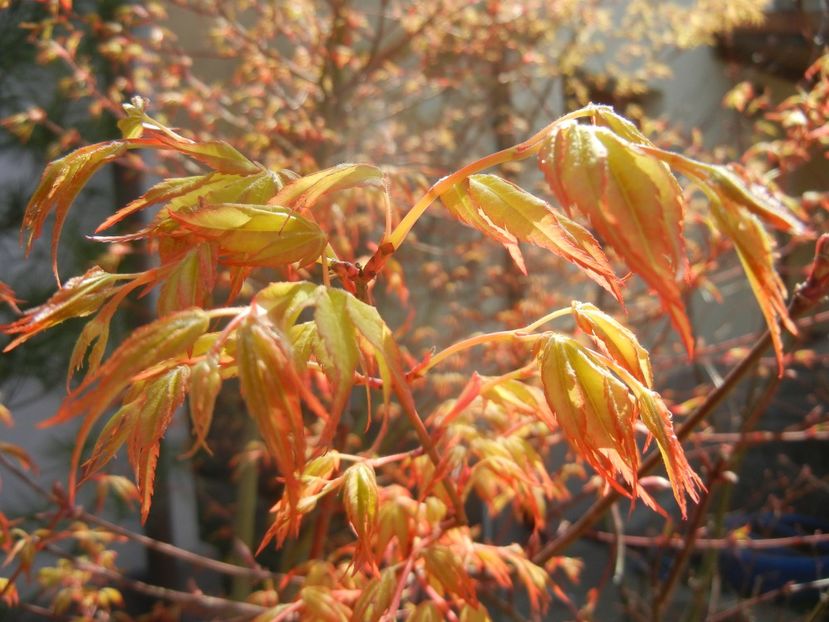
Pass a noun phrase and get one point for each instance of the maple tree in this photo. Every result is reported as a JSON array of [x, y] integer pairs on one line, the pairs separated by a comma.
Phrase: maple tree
[[255, 281]]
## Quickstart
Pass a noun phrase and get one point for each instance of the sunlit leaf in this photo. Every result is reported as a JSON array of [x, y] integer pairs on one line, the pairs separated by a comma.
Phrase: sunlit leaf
[[190, 282], [60, 183], [444, 565], [255, 235], [78, 297], [595, 410], [529, 219], [617, 341], [270, 387], [218, 155], [162, 340], [161, 398], [755, 249], [306, 191], [205, 384], [426, 612], [361, 507], [322, 606], [632, 200], [376, 597], [316, 481], [339, 353], [460, 204]]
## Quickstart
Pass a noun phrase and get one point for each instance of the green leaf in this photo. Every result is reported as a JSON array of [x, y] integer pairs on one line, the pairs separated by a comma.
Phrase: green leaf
[[632, 200], [617, 341], [60, 183], [255, 235], [532, 220], [271, 390], [306, 191], [361, 506], [190, 282], [339, 353]]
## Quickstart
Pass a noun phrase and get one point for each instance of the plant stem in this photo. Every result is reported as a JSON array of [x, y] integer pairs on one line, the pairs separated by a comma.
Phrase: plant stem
[[506, 335], [521, 151]]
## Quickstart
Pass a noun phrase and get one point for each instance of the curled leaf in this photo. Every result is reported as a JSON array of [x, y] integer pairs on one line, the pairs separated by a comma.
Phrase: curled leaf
[[508, 213], [617, 341], [596, 401], [78, 297], [633, 201], [205, 384], [755, 249], [255, 235], [306, 191], [361, 506], [270, 388], [595, 410], [60, 183]]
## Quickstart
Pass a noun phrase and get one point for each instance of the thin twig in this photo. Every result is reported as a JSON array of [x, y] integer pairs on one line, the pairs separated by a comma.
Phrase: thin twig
[[787, 589]]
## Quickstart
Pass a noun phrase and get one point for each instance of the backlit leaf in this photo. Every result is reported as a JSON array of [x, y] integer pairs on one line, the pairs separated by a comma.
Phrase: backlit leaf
[[162, 340], [529, 219], [60, 183], [361, 507], [161, 398], [322, 606], [444, 565], [375, 598], [190, 282], [755, 249], [339, 350], [633, 201], [255, 235], [460, 204], [78, 297], [617, 341], [595, 410], [218, 155], [306, 191], [270, 388], [205, 384]]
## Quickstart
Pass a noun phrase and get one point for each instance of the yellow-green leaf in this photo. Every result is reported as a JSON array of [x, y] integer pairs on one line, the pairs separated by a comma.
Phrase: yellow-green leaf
[[270, 388], [532, 220], [594, 409], [60, 183], [361, 506], [338, 353], [755, 249], [205, 384], [633, 201], [617, 341], [306, 191], [375, 598], [190, 282], [255, 235]]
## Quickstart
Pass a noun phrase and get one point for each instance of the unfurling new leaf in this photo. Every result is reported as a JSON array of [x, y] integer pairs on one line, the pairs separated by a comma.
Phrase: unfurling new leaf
[[597, 402], [361, 506], [631, 198]]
